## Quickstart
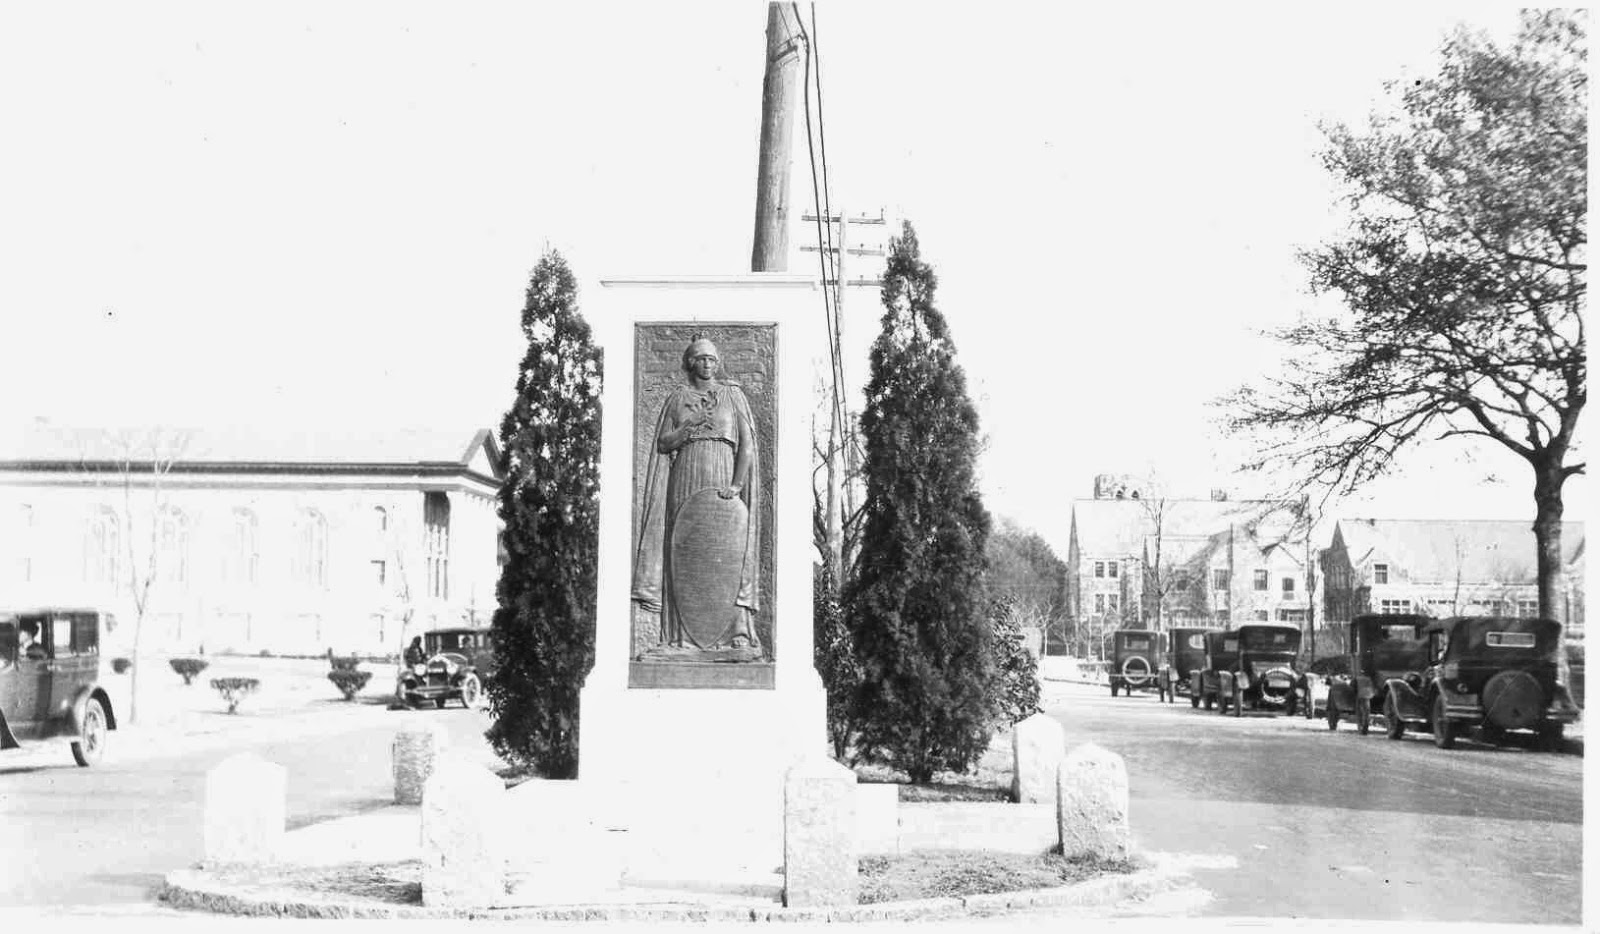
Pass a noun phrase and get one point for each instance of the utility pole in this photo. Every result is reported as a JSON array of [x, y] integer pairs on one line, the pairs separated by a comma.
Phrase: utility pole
[[841, 451], [771, 250]]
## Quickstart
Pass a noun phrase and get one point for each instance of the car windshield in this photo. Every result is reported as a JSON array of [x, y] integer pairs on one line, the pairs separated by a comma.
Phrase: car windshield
[[450, 641], [1136, 643], [1285, 641]]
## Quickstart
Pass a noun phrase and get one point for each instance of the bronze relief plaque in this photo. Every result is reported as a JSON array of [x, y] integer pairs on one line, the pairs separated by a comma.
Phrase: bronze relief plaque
[[704, 437]]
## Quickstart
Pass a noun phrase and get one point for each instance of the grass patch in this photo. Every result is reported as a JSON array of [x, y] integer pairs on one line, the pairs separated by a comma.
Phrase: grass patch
[[974, 872], [980, 784], [514, 775]]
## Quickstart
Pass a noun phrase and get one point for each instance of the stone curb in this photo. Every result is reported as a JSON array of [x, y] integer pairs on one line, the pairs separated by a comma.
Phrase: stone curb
[[195, 889]]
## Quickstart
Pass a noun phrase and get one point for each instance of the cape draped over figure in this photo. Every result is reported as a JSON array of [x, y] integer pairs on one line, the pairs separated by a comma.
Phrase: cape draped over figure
[[703, 462]]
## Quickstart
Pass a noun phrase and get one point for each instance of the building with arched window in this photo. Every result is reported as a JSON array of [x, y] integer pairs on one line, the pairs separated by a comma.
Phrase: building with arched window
[[249, 541]]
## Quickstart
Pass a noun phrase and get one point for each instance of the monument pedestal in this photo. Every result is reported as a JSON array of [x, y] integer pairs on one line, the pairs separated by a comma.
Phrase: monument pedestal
[[688, 754]]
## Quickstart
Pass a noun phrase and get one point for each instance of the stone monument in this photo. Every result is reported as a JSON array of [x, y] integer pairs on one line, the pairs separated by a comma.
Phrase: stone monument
[[703, 691]]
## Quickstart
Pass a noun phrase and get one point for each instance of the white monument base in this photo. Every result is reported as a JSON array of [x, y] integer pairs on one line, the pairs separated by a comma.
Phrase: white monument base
[[695, 773]]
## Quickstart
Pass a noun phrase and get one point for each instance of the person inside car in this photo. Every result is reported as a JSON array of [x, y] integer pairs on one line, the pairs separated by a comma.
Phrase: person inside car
[[28, 641], [414, 654]]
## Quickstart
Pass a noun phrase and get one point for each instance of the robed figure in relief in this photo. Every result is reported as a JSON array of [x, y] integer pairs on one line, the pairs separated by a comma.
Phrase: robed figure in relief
[[696, 562]]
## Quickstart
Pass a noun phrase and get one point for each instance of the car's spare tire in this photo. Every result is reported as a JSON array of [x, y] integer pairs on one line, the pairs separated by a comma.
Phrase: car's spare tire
[[1135, 675], [1512, 700]]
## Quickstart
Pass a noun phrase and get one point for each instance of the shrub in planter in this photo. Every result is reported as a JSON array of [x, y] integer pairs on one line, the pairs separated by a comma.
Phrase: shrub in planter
[[189, 667], [235, 690], [121, 665], [349, 681], [343, 662]]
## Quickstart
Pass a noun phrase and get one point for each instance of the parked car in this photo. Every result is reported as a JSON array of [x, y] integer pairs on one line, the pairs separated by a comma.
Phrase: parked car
[[1322, 678], [1135, 661], [1496, 673], [50, 680], [1186, 654], [1222, 653], [455, 664], [1382, 648], [1263, 672]]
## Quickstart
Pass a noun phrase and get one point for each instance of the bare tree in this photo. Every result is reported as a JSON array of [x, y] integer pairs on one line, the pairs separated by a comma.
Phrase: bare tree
[[143, 460], [1463, 276]]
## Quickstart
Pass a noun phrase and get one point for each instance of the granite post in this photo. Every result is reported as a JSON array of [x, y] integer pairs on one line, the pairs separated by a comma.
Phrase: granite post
[[819, 835], [1092, 804], [463, 841], [1037, 746], [245, 810]]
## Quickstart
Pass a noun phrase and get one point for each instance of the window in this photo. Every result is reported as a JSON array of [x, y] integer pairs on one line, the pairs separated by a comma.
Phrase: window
[[1111, 603], [1380, 574], [311, 550], [1394, 607], [244, 554], [172, 546], [1219, 578], [103, 548], [1528, 608], [1261, 616], [1260, 581], [436, 543], [1288, 586], [380, 519], [1111, 569], [1099, 603], [1099, 569], [22, 544], [380, 572], [1291, 616], [1222, 617]]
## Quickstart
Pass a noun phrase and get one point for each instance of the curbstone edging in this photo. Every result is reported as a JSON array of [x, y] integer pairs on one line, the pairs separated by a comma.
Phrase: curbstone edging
[[195, 889]]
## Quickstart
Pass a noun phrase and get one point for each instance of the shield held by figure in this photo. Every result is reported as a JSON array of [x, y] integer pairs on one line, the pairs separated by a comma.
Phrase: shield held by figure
[[708, 547]]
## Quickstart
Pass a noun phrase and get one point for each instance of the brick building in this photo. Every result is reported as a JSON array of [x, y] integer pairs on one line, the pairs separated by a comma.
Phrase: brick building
[[1456, 567], [253, 541], [1138, 560]]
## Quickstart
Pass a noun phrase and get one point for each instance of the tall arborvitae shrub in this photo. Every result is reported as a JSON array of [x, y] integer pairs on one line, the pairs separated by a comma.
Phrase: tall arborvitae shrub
[[543, 629], [1016, 667], [833, 653], [916, 609]]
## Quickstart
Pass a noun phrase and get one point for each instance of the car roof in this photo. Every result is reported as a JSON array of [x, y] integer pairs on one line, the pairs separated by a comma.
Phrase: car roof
[[452, 630], [1279, 627], [1512, 623], [40, 610]]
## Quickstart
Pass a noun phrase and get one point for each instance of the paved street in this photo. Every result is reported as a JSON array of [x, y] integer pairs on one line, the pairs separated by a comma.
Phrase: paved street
[[107, 835], [1320, 825]]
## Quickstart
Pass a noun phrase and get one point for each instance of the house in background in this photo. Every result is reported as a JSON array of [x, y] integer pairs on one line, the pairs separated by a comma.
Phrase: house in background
[[291, 543], [1140, 560], [1454, 567]]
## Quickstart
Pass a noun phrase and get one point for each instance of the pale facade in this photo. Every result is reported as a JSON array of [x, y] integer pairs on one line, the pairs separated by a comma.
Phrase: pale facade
[[1461, 567], [257, 544]]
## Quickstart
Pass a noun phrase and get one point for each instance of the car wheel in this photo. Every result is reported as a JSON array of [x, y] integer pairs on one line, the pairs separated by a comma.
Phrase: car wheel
[[1194, 701], [1393, 726], [1552, 736], [1238, 702], [1444, 732], [439, 702], [1333, 715], [471, 691], [1363, 717], [1291, 708], [91, 742]]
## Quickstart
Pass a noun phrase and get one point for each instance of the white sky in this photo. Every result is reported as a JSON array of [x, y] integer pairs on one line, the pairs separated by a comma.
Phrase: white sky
[[326, 213]]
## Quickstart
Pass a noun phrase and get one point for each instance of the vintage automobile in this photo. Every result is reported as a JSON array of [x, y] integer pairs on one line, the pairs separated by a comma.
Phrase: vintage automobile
[[1186, 654], [1382, 648], [1322, 678], [455, 664], [1497, 673], [1135, 661], [50, 680], [1205, 683], [1263, 672]]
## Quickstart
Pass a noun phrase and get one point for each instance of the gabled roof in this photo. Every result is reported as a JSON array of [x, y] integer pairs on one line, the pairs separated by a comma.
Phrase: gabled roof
[[1438, 549], [1188, 526], [43, 445]]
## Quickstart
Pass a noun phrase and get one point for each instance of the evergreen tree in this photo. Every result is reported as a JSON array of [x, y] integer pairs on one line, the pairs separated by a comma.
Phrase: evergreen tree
[[543, 629], [916, 610], [833, 653]]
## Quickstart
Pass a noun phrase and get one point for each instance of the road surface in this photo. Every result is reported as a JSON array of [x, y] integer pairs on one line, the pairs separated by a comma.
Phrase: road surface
[[108, 835], [1313, 824]]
